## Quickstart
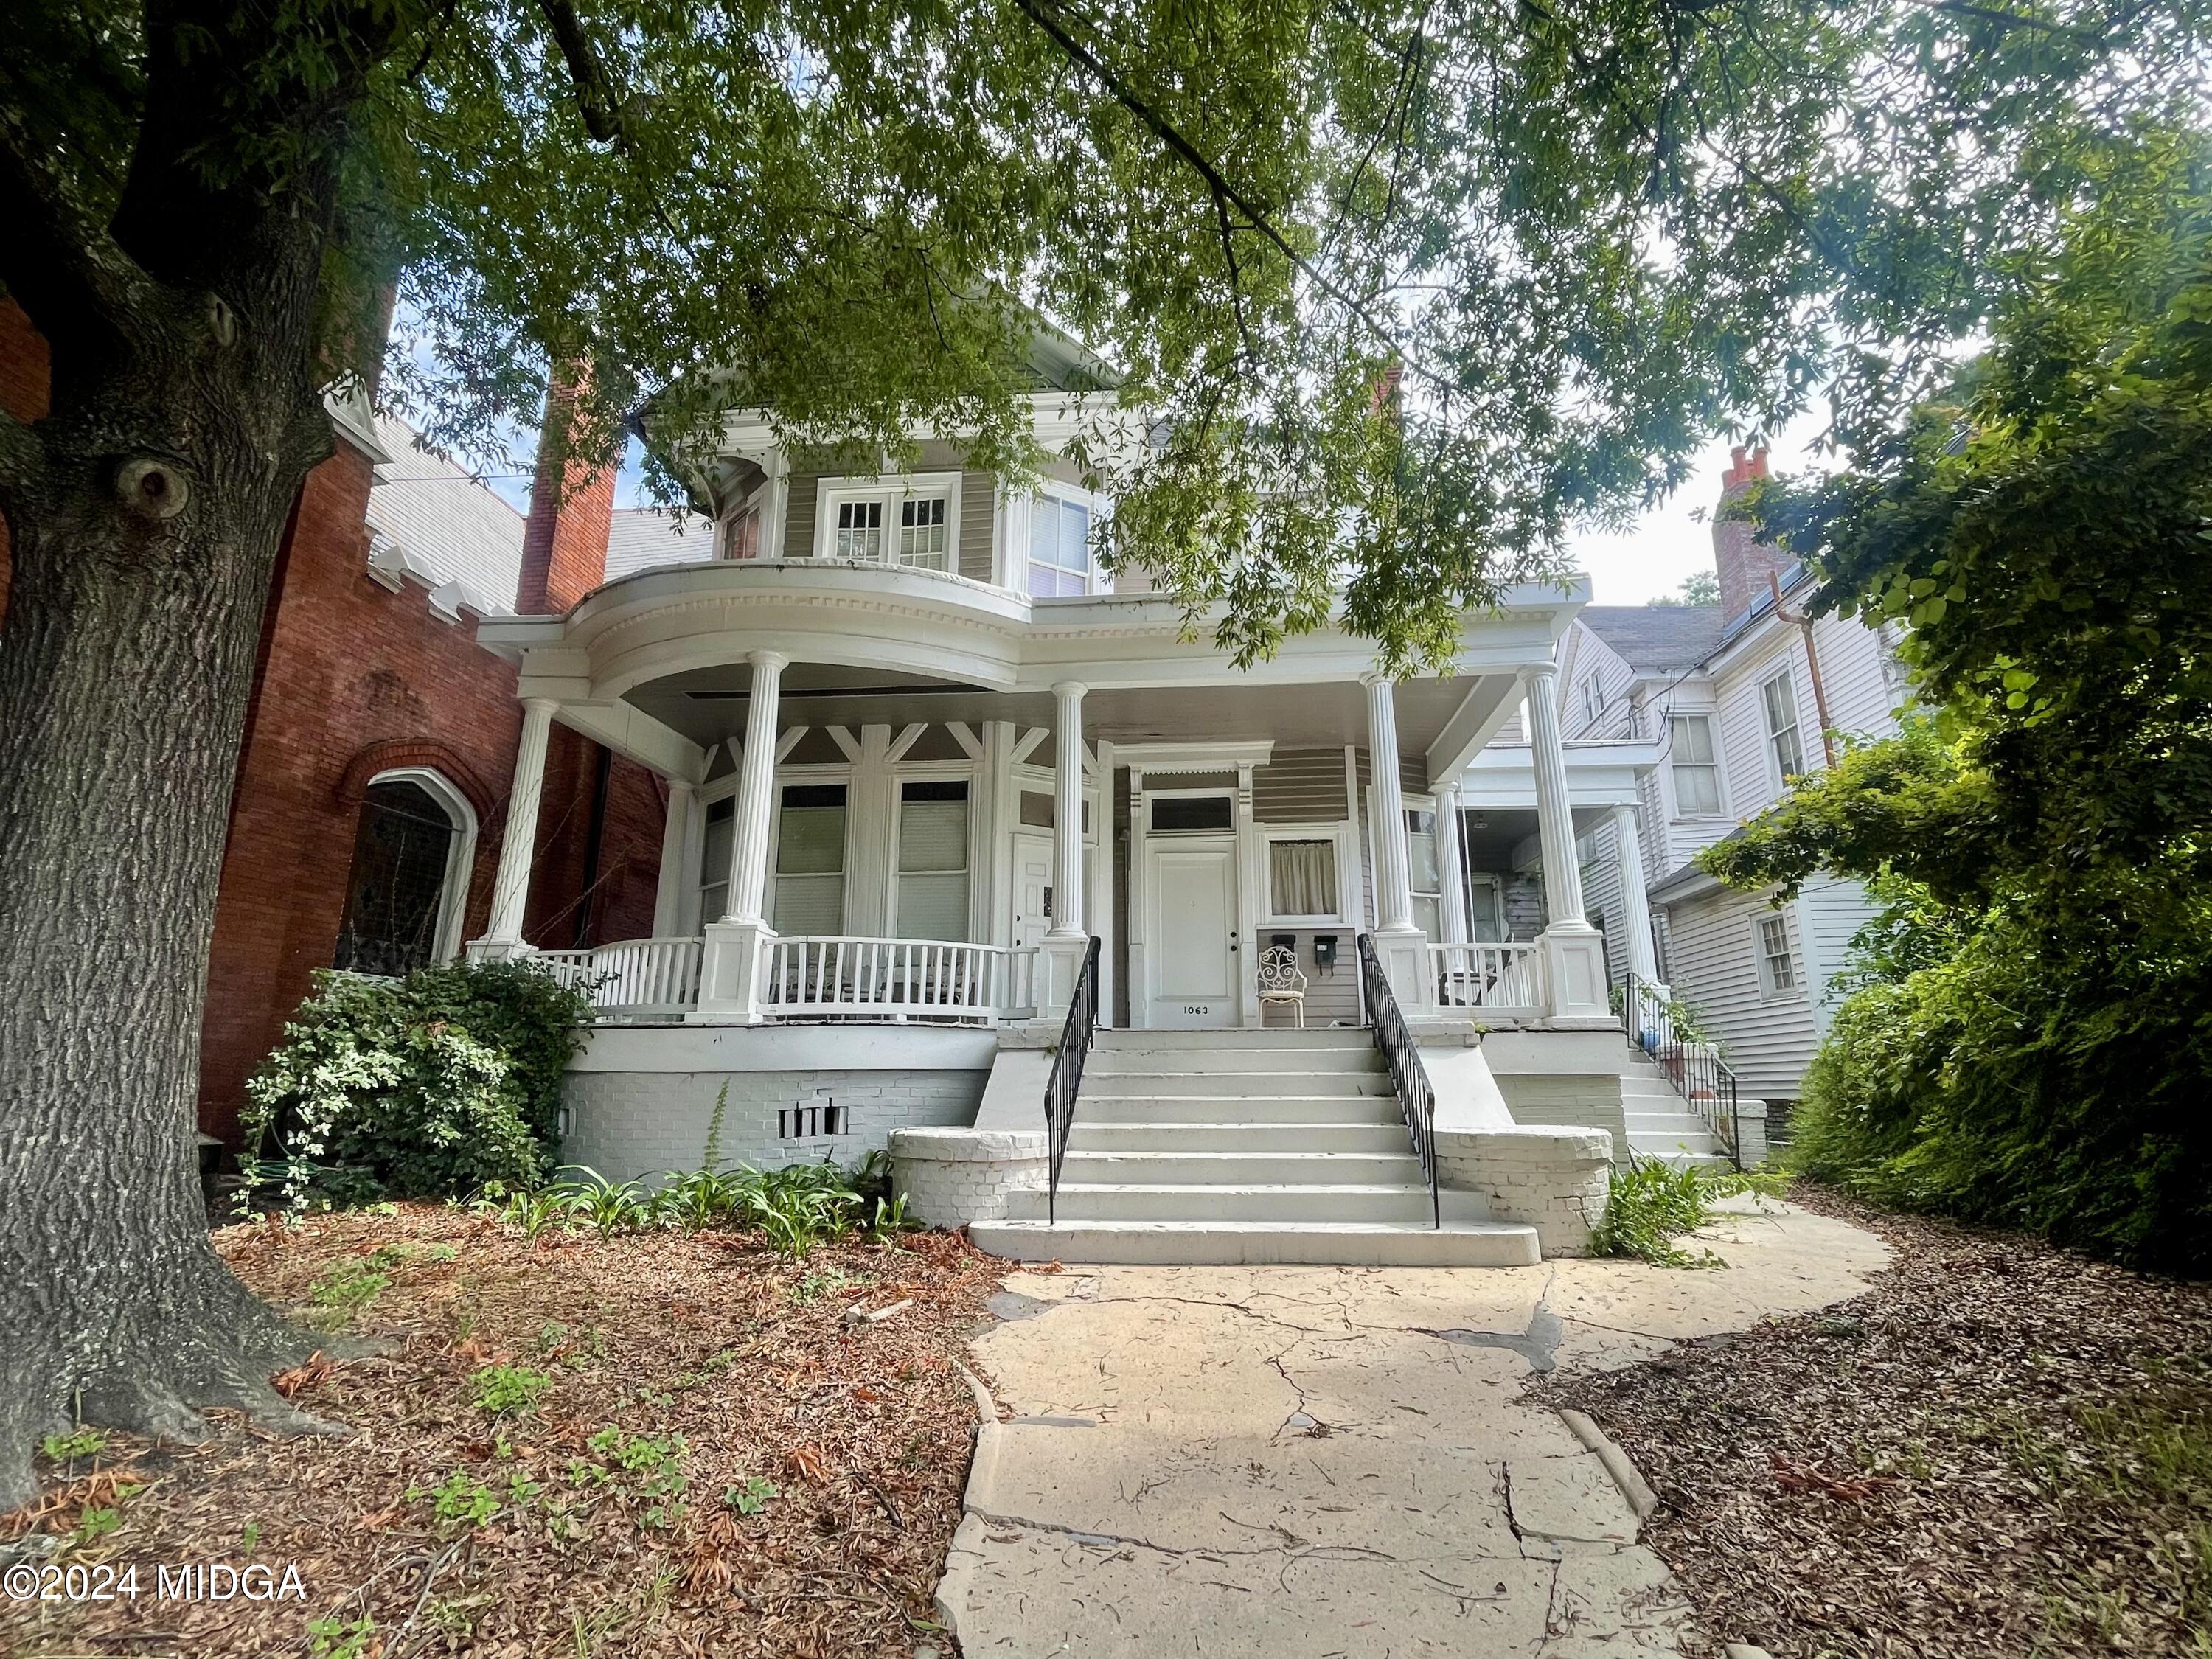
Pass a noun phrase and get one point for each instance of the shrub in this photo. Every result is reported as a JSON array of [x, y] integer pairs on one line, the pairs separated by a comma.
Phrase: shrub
[[1651, 1205], [429, 1086]]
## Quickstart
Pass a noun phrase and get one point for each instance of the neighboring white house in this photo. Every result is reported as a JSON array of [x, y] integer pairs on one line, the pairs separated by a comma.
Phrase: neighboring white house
[[922, 751], [1738, 697]]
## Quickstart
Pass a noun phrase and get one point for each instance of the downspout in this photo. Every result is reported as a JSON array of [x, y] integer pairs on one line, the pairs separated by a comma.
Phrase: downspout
[[1804, 625], [594, 841]]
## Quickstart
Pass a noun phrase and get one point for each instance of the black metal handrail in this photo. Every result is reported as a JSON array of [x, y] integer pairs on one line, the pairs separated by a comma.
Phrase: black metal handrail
[[1693, 1069], [1075, 1035], [1403, 1056]]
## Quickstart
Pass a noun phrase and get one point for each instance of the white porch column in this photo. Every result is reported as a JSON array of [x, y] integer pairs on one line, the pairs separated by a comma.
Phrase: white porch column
[[1574, 951], [1402, 948], [729, 975], [1068, 941], [1450, 869], [1635, 899], [518, 844], [675, 840]]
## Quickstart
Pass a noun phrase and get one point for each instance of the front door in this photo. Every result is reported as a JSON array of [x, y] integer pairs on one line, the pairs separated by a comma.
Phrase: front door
[[1032, 889], [1190, 933]]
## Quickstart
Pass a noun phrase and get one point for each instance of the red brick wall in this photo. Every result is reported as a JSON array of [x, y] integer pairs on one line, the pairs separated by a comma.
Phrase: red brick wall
[[354, 678]]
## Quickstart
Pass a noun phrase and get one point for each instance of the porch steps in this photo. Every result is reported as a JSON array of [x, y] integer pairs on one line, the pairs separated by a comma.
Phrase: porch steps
[[1662, 1126], [1246, 1146]]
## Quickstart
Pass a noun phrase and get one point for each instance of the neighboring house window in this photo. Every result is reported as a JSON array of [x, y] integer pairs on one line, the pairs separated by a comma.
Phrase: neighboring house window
[[1696, 774], [932, 860], [1421, 867], [1302, 879], [714, 858], [1779, 699], [409, 883], [1593, 700], [912, 522], [810, 860], [1777, 964], [1060, 546]]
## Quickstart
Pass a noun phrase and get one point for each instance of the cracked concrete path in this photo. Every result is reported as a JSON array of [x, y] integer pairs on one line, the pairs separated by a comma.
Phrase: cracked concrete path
[[1335, 1461]]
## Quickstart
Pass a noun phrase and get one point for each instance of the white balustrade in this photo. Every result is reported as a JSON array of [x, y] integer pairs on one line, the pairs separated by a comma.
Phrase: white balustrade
[[820, 977], [635, 978], [1502, 979]]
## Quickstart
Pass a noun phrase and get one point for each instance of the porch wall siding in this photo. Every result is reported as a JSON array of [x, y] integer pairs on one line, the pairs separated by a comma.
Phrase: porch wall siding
[[1300, 785], [1331, 999], [1714, 961], [627, 1125]]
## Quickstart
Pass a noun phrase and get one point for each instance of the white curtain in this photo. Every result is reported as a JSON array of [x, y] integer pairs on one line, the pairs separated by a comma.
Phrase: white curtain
[[1302, 877]]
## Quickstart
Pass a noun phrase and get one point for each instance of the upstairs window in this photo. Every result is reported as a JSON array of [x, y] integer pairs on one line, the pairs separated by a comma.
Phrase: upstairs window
[[1696, 774], [913, 522], [1060, 547], [1778, 698], [741, 535], [925, 541], [861, 530]]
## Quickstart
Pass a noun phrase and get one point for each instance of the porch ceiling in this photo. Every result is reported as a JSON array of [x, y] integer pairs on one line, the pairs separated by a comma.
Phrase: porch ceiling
[[708, 704]]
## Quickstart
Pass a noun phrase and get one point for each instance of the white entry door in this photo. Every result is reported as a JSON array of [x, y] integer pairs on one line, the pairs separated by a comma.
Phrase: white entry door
[[1032, 888], [1190, 932]]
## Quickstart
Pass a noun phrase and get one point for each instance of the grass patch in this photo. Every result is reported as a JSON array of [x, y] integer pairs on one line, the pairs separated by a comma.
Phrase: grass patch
[[1650, 1206]]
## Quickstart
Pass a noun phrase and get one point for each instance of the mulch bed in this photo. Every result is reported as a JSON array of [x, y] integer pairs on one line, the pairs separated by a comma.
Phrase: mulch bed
[[2002, 1450], [607, 1534]]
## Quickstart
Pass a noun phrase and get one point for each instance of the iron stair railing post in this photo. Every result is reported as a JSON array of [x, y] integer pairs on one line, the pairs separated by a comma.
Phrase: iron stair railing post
[[1060, 1089], [1416, 1099]]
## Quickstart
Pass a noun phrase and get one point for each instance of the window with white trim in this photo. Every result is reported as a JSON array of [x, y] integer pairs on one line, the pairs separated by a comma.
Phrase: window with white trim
[[1423, 872], [860, 531], [714, 858], [408, 881], [810, 860], [1777, 963], [925, 532], [1302, 884], [932, 859], [741, 535], [1778, 698], [1593, 699], [1691, 763], [1059, 546], [912, 522]]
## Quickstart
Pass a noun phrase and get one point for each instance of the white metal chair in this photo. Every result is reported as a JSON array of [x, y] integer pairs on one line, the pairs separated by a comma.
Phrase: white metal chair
[[1280, 980]]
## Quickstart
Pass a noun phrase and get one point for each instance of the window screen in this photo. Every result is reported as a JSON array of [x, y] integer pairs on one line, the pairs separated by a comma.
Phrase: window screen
[[396, 894], [932, 860], [809, 860]]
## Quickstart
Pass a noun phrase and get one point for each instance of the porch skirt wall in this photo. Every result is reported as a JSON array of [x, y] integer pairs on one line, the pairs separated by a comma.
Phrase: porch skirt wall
[[641, 1125]]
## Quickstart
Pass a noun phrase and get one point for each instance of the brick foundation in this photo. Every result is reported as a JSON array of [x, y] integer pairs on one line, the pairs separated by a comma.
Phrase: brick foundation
[[1554, 1180]]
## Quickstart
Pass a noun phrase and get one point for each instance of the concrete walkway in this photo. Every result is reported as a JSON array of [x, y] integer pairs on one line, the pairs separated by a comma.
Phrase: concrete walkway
[[1335, 1461]]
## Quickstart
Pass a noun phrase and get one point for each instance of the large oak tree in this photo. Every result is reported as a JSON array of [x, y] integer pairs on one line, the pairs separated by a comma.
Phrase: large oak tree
[[1575, 237]]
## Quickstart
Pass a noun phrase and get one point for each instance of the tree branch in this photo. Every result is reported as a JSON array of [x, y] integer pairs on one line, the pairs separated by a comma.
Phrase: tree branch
[[59, 259], [595, 91]]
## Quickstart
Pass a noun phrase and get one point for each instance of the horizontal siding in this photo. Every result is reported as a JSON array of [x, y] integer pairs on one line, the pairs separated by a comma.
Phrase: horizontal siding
[[1712, 956], [1595, 662], [1862, 695], [1300, 785], [979, 523], [1831, 910], [1331, 999], [1750, 785], [799, 513]]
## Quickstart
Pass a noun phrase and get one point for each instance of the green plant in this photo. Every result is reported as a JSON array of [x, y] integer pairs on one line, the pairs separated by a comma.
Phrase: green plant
[[501, 1389], [340, 1639], [429, 1086], [1651, 1205], [608, 1206], [349, 1287], [458, 1501], [799, 1206], [531, 1211], [67, 1448], [96, 1523], [751, 1497]]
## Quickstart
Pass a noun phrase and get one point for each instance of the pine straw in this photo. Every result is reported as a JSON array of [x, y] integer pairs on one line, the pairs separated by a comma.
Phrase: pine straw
[[865, 1433], [2002, 1450]]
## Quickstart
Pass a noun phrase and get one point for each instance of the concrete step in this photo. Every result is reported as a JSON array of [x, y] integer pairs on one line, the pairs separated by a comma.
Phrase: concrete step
[[1213, 1062], [1680, 1158], [1634, 1086], [1180, 1168], [1457, 1245], [1203, 1136], [1225, 1109], [1315, 1037], [1684, 1123], [1244, 1085], [1285, 1202]]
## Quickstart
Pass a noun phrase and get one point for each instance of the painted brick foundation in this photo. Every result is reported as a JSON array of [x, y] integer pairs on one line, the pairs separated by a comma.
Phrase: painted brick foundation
[[1554, 1180], [950, 1177]]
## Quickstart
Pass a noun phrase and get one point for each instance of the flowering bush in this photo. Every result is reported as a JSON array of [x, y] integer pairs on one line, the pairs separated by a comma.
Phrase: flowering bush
[[428, 1086]]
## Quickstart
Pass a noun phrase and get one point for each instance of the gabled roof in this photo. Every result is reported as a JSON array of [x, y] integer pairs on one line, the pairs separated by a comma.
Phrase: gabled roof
[[642, 538], [434, 520], [1657, 636]]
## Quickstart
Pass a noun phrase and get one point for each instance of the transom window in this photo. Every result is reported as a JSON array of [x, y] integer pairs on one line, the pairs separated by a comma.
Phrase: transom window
[[1060, 547], [1690, 760], [1191, 815], [1777, 963], [1779, 699]]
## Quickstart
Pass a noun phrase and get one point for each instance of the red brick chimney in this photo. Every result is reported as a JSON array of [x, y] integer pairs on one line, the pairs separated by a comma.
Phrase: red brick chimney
[[1743, 560], [564, 544]]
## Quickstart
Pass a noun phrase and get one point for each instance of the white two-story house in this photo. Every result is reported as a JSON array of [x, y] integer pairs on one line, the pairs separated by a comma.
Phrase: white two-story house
[[1738, 698], [944, 800]]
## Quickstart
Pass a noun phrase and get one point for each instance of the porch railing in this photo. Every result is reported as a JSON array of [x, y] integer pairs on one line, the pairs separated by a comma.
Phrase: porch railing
[[634, 978], [1504, 978], [830, 977], [1693, 1069], [1403, 1056], [1061, 1088]]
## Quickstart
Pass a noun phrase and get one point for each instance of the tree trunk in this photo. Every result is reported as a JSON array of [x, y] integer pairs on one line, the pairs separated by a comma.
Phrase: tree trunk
[[144, 541]]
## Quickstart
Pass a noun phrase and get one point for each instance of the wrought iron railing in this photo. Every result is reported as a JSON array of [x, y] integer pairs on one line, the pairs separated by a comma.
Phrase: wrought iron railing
[[1403, 1056], [1693, 1068], [1059, 1092]]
